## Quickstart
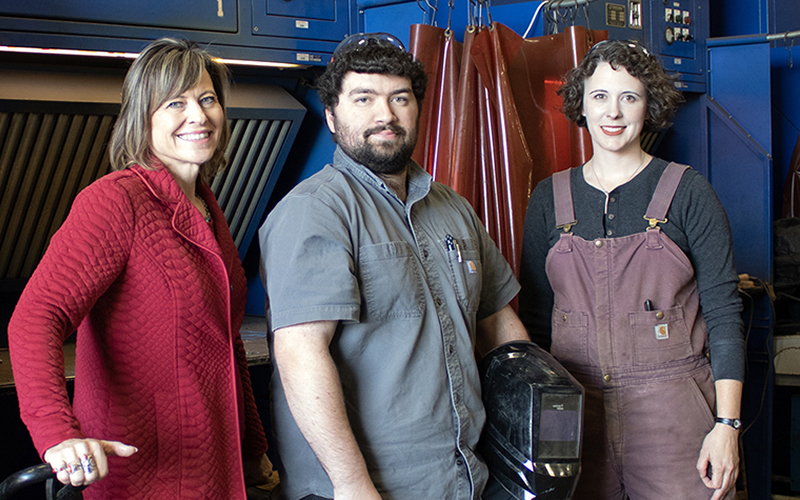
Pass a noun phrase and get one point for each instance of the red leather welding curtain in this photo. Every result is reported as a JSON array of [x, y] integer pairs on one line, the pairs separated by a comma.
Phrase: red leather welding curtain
[[440, 53], [495, 118]]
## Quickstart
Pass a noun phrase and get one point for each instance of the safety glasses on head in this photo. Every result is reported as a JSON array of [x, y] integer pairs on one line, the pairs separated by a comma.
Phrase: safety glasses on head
[[634, 44], [357, 40]]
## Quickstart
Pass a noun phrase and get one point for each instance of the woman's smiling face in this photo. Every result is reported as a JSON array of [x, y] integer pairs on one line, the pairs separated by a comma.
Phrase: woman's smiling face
[[615, 108], [186, 129]]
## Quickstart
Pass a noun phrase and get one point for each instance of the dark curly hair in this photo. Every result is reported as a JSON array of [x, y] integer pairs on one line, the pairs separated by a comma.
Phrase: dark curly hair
[[374, 57], [662, 96]]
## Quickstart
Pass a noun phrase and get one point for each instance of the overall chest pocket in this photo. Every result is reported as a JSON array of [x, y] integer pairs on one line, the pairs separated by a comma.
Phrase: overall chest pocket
[[660, 336], [391, 281], [570, 336], [465, 270]]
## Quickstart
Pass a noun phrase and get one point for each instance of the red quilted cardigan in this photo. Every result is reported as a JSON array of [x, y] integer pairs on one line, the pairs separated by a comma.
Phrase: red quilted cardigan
[[157, 301]]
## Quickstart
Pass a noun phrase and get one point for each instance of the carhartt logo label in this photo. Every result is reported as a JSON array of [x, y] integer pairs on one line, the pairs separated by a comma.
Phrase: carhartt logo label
[[662, 332], [472, 267]]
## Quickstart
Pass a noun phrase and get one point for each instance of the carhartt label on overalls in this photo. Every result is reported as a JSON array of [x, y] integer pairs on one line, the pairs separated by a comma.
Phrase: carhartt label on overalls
[[662, 332]]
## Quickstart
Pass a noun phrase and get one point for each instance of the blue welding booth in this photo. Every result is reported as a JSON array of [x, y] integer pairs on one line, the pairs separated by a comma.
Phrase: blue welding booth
[[738, 126]]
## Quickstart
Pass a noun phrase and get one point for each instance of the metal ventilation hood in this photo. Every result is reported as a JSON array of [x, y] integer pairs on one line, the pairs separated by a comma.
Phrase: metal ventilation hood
[[54, 131]]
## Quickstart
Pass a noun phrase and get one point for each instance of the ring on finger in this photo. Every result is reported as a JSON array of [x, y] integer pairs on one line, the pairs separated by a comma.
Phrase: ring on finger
[[73, 468], [88, 464], [63, 468]]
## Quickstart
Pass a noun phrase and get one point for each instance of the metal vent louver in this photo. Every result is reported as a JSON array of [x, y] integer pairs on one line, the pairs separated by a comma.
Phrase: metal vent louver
[[49, 151], [252, 154], [45, 160]]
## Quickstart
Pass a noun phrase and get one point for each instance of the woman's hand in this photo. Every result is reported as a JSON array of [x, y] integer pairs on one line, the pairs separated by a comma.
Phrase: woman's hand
[[720, 454], [81, 462]]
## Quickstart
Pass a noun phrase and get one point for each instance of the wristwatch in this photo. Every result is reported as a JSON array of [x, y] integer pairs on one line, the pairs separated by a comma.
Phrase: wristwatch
[[733, 422]]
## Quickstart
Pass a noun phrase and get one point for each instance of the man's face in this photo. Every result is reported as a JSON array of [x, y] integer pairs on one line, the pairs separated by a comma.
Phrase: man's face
[[375, 121]]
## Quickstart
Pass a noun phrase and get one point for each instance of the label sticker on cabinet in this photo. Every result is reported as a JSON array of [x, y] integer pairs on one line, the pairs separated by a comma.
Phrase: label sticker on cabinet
[[615, 15], [309, 57], [300, 23]]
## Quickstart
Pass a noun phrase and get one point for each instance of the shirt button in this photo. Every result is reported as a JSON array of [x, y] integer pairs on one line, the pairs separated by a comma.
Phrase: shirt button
[[564, 318], [607, 378], [450, 349], [612, 199], [609, 232], [611, 216], [424, 254], [598, 243], [438, 302], [660, 315], [459, 463]]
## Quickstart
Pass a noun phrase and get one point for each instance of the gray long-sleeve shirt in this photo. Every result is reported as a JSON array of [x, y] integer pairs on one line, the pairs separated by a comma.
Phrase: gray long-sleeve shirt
[[696, 222]]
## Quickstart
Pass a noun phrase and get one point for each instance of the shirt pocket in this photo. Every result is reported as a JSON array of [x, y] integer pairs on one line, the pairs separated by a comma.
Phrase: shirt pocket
[[660, 336], [570, 337], [391, 282], [465, 270]]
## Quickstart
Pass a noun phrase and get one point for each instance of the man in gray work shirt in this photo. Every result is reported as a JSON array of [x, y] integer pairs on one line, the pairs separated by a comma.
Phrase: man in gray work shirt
[[382, 285]]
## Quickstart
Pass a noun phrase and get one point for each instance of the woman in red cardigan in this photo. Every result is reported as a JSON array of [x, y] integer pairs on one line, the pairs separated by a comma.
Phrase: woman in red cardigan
[[146, 270]]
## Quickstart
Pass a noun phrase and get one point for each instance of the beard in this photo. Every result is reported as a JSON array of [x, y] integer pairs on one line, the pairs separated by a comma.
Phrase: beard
[[384, 158]]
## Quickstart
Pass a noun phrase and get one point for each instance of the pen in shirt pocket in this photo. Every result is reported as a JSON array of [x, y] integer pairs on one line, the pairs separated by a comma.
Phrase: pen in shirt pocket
[[452, 244]]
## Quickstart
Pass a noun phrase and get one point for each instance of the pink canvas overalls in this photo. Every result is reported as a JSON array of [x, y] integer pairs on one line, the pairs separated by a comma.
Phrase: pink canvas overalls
[[627, 324]]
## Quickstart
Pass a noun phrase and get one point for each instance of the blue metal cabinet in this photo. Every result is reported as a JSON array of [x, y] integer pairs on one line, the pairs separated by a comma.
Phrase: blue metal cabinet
[[738, 130], [219, 15], [301, 32], [314, 19]]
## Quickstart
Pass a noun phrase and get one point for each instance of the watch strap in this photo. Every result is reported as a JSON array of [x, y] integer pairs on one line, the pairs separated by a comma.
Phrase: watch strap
[[733, 422]]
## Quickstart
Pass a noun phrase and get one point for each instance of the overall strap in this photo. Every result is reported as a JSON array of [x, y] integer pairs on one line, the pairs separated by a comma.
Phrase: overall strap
[[665, 191], [562, 198]]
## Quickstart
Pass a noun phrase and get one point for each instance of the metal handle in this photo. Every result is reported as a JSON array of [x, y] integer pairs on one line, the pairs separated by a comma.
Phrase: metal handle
[[32, 475]]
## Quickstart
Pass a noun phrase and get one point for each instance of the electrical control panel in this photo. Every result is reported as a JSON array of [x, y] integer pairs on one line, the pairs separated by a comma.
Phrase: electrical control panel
[[673, 30], [678, 35]]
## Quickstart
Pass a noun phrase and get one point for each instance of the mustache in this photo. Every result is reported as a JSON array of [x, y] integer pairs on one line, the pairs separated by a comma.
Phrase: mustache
[[396, 130]]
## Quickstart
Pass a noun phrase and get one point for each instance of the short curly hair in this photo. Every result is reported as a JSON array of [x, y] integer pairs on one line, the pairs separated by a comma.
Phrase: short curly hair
[[371, 57], [662, 96]]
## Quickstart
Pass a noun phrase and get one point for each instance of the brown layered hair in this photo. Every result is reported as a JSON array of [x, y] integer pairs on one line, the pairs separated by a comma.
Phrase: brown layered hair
[[164, 70]]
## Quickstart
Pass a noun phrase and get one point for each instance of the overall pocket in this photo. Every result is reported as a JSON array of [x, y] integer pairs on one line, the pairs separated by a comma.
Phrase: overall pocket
[[570, 332], [659, 336]]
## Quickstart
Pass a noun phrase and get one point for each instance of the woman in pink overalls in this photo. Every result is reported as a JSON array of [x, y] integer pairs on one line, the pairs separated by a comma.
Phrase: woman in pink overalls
[[628, 278]]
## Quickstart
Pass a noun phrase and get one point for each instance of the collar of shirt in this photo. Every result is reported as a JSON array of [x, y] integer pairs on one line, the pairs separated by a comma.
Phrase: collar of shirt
[[418, 181]]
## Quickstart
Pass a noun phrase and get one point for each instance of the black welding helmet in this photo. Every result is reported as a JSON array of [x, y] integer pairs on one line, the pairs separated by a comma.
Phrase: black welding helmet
[[534, 419]]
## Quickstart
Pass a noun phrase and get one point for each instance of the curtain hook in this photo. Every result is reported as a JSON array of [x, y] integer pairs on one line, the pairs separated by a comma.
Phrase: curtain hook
[[586, 15], [424, 12], [788, 46], [451, 4], [434, 10]]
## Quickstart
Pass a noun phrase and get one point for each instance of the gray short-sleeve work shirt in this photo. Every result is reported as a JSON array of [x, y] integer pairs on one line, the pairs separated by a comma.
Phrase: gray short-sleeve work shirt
[[408, 282]]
